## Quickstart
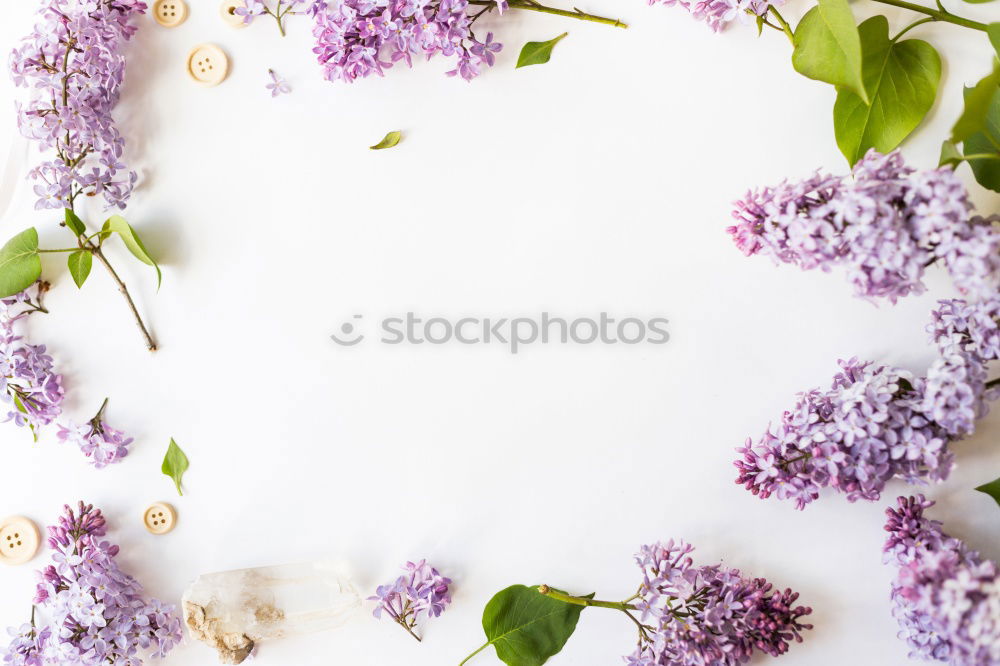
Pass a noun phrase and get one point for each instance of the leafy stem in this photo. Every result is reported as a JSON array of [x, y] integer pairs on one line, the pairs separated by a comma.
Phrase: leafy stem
[[532, 6], [99, 255], [584, 601], [784, 25], [935, 14]]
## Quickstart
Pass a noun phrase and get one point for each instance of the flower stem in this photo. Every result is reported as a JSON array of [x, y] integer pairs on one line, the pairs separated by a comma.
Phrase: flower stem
[[937, 15], [785, 27], [993, 383], [584, 601], [532, 6], [150, 343], [484, 646]]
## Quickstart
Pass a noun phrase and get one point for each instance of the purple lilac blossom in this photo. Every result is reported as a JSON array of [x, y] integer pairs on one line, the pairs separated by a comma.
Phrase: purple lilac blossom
[[708, 614], [720, 13], [945, 597], [358, 38], [277, 85], [885, 226], [73, 64], [98, 614], [421, 590], [101, 443], [871, 425], [29, 386]]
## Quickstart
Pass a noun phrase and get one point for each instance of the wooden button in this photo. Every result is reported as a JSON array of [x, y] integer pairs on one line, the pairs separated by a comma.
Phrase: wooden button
[[229, 15], [207, 64], [159, 518], [170, 13], [19, 540]]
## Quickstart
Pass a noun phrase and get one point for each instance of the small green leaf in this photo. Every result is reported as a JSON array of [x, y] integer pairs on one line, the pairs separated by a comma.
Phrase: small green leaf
[[760, 25], [74, 223], [901, 79], [828, 47], [977, 106], [526, 627], [950, 155], [388, 141], [993, 32], [118, 225], [537, 53], [992, 489], [175, 463], [79, 266], [20, 265]]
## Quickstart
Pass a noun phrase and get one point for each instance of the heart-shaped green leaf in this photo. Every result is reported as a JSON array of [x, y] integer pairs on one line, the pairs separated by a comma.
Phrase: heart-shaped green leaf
[[175, 463], [828, 48], [901, 79], [388, 141], [537, 53], [526, 627], [992, 489], [20, 265], [117, 224], [74, 223], [80, 263], [977, 107]]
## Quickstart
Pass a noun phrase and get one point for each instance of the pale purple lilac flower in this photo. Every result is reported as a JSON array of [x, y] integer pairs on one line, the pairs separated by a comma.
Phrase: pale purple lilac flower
[[945, 597], [720, 13], [358, 38], [277, 85], [101, 443], [29, 386], [701, 615], [884, 226], [73, 65], [421, 590], [97, 613]]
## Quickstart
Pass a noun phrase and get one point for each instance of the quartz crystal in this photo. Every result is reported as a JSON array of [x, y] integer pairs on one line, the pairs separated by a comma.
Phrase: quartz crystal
[[234, 610]]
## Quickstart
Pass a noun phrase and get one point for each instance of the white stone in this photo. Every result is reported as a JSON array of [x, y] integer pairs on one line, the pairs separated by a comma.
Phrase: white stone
[[232, 611]]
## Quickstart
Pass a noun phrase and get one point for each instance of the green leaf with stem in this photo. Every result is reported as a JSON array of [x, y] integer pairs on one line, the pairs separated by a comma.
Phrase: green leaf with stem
[[388, 141], [526, 627], [80, 263], [901, 78], [977, 106], [992, 489], [175, 463], [74, 223], [117, 224], [20, 264], [828, 47], [537, 53]]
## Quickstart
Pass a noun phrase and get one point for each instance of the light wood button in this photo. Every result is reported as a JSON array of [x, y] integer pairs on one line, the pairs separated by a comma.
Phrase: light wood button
[[159, 518], [19, 540], [207, 64], [229, 15], [170, 13]]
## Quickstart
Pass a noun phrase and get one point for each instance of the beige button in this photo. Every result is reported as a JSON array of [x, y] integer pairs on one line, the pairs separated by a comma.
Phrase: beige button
[[170, 13], [207, 64], [229, 15], [159, 518], [19, 540]]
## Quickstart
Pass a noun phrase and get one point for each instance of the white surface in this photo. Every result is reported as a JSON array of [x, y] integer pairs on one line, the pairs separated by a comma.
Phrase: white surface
[[600, 181]]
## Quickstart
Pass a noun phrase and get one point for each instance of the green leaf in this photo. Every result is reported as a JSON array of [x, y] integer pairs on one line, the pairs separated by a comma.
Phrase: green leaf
[[537, 53], [79, 266], [950, 155], [986, 142], [901, 79], [526, 627], [74, 223], [117, 224], [993, 32], [20, 265], [388, 141], [175, 463], [828, 48], [992, 489], [977, 106]]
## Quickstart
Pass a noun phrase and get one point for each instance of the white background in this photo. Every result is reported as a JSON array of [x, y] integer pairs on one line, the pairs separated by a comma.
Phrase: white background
[[600, 181]]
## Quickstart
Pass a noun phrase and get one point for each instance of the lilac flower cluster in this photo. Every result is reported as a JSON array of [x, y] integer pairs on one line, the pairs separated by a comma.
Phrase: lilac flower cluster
[[946, 598], [101, 443], [28, 381], [358, 38], [693, 616], [871, 425], [73, 65], [422, 590], [97, 612], [720, 13], [885, 226]]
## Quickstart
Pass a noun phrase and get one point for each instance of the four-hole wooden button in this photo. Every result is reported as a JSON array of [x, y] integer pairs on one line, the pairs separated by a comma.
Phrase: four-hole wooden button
[[159, 518], [170, 13], [19, 540], [208, 64]]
